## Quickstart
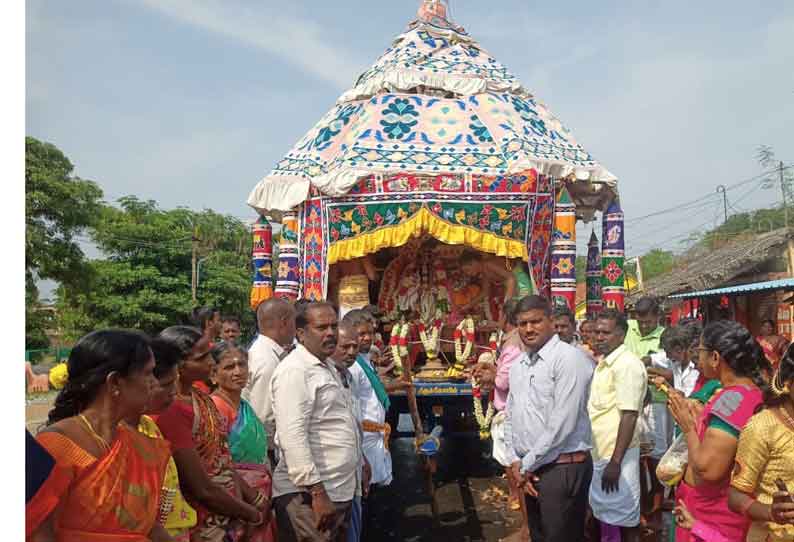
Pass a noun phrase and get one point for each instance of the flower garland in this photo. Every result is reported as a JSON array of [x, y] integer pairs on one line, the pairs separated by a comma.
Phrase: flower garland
[[398, 344], [483, 420], [430, 343], [465, 329], [493, 342]]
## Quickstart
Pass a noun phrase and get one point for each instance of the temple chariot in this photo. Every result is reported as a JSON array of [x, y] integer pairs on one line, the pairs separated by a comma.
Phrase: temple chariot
[[429, 184]]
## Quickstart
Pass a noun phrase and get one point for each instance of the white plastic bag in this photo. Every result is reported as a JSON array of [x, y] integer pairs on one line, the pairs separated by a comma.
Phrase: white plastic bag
[[647, 440], [672, 466]]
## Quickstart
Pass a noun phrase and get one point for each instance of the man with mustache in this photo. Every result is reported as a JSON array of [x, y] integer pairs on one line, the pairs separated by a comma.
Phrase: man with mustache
[[547, 430], [317, 434]]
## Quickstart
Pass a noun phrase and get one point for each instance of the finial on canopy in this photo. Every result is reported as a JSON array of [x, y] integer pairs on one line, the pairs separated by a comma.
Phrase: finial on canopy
[[430, 9]]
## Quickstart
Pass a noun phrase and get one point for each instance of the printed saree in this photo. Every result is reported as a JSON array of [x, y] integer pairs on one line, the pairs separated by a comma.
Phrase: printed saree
[[42, 480], [213, 448], [113, 498], [708, 502], [248, 444], [175, 514]]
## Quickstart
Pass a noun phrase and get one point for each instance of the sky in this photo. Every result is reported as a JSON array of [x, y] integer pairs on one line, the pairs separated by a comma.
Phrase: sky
[[192, 102]]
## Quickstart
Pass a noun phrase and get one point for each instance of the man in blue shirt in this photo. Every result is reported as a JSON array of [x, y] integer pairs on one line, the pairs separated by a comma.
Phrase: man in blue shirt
[[547, 428]]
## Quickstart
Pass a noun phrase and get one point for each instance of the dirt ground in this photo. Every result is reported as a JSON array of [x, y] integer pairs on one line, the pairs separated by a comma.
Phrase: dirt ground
[[471, 497], [36, 409]]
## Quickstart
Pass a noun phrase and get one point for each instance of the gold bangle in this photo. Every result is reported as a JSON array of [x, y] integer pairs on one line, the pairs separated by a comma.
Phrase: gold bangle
[[259, 499]]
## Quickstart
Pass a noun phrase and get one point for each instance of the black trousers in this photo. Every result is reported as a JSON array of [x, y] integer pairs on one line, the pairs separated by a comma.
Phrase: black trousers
[[558, 513]]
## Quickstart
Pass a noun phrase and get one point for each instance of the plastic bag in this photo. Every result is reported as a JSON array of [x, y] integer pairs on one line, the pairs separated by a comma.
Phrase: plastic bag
[[672, 466], [647, 441]]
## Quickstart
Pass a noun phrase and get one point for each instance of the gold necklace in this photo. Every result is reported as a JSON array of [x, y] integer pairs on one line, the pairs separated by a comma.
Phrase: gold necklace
[[102, 442]]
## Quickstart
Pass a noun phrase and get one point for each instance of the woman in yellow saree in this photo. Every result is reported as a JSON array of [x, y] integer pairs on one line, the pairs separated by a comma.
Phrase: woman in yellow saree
[[114, 472], [765, 456]]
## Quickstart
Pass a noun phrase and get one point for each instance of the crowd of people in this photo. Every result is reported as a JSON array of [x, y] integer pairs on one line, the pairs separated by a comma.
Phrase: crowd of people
[[188, 435], [588, 421]]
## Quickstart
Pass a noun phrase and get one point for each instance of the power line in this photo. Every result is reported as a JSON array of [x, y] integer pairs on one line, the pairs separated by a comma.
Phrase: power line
[[686, 205], [660, 244], [165, 244]]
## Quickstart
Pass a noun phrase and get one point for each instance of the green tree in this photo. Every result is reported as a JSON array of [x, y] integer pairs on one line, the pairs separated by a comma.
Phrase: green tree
[[656, 262], [58, 208], [36, 321], [144, 281]]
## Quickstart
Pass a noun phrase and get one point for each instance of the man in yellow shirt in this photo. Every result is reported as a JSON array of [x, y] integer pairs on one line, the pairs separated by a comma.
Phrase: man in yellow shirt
[[616, 399]]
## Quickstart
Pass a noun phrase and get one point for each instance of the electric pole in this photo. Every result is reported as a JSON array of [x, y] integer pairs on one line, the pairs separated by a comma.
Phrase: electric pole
[[193, 264], [721, 188], [783, 190]]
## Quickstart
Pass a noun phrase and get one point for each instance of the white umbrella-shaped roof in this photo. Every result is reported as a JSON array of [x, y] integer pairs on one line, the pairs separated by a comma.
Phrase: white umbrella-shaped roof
[[435, 102]]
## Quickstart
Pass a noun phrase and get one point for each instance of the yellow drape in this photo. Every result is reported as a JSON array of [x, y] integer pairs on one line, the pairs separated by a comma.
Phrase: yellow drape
[[425, 222]]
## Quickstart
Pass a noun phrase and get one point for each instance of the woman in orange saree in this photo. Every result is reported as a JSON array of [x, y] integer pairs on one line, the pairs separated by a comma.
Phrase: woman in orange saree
[[114, 473], [228, 508]]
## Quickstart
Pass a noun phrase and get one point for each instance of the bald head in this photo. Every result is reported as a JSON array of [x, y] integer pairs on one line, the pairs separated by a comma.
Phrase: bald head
[[275, 318]]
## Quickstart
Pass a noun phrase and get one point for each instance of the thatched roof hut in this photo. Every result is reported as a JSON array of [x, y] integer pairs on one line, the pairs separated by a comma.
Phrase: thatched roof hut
[[728, 265]]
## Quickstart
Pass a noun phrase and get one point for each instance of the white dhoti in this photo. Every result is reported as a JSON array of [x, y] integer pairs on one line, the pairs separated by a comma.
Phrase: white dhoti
[[379, 458], [621, 507], [498, 437]]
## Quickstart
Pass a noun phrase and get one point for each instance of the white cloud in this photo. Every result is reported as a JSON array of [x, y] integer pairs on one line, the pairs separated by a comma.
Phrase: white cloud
[[297, 41]]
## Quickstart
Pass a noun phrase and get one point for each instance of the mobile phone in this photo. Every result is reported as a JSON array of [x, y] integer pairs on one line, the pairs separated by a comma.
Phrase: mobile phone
[[781, 486]]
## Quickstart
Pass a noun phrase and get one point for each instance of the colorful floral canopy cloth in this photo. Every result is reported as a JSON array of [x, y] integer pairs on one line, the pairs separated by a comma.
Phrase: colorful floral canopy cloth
[[438, 56], [486, 134], [262, 260], [435, 102], [613, 258], [593, 276], [506, 216], [563, 252]]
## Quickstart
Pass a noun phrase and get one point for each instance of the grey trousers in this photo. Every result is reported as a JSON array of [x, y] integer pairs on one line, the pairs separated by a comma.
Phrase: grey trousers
[[296, 522]]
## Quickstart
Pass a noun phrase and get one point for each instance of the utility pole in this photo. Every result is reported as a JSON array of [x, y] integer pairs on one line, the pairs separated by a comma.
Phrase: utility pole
[[194, 264], [783, 190], [721, 188]]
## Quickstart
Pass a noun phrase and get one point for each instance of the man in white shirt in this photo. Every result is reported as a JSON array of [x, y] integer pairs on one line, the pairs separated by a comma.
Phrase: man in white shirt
[[372, 400], [317, 475], [344, 358], [276, 323], [683, 374]]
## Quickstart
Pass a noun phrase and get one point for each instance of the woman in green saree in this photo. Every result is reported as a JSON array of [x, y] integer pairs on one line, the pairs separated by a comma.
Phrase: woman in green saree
[[245, 432]]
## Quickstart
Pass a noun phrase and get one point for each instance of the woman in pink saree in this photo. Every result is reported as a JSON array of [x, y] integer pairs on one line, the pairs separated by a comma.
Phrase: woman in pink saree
[[729, 353]]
